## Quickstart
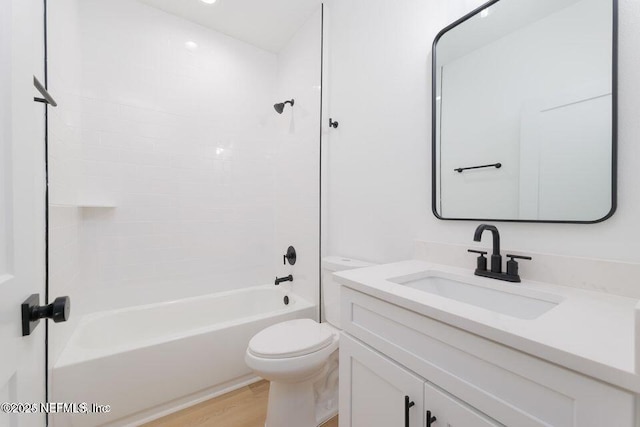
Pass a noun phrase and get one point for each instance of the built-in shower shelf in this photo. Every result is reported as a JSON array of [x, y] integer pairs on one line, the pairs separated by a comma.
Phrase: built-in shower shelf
[[85, 205], [97, 205]]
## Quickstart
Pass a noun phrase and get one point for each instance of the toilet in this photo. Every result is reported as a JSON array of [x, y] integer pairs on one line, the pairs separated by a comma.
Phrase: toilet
[[300, 359]]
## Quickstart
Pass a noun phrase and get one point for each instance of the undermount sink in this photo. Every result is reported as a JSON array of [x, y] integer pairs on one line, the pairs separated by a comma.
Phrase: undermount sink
[[509, 303]]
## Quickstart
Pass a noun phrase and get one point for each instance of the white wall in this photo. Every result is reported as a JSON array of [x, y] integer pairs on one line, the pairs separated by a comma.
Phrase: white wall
[[297, 158], [379, 175]]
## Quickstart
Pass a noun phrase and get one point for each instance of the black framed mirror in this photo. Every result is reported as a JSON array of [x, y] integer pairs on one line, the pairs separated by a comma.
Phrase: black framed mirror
[[524, 96]]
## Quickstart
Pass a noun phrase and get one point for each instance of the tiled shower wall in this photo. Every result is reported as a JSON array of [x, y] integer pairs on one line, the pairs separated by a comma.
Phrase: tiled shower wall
[[180, 141], [297, 158], [163, 160], [64, 161]]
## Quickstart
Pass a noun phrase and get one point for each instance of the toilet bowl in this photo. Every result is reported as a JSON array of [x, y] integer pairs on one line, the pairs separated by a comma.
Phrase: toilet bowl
[[300, 359]]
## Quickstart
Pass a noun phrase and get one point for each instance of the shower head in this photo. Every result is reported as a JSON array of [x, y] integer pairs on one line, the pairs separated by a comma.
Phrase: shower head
[[280, 107]]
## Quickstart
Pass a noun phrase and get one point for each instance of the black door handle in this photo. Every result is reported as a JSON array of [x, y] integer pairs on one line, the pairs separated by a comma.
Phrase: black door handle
[[430, 419], [408, 404], [58, 311]]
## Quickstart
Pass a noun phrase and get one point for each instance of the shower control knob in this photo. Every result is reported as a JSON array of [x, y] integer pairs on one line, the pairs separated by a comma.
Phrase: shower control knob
[[58, 311], [290, 256]]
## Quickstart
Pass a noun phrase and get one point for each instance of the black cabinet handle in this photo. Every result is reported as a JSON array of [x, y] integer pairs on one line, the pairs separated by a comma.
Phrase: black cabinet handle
[[430, 419], [408, 404]]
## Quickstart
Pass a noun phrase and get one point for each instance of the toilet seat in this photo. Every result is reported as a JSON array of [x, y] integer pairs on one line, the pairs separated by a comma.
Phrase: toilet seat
[[293, 338]]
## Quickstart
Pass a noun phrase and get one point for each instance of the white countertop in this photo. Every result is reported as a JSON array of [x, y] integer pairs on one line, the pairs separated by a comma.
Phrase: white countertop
[[589, 332]]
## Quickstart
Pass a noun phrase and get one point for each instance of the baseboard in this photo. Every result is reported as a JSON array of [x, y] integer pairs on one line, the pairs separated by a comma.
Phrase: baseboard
[[183, 403]]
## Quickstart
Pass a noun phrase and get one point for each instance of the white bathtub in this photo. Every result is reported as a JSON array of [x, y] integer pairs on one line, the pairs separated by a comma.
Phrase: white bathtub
[[149, 360]]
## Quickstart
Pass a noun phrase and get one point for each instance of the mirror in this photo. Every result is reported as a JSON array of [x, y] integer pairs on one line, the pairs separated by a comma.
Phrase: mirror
[[524, 96]]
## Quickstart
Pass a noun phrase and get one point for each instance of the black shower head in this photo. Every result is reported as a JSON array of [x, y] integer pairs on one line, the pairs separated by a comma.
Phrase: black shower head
[[280, 107]]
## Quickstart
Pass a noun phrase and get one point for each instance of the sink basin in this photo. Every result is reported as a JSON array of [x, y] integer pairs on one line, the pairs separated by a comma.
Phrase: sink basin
[[512, 304]]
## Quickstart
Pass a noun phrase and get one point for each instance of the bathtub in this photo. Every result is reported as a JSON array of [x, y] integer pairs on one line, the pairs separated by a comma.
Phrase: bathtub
[[148, 361]]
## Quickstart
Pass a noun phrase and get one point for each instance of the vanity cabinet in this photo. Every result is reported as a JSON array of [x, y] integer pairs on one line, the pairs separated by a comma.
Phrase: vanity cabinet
[[380, 393], [445, 410], [377, 392], [388, 352]]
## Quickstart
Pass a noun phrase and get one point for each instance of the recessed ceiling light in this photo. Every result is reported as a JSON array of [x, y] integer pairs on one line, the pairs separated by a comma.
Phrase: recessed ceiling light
[[191, 45], [208, 1]]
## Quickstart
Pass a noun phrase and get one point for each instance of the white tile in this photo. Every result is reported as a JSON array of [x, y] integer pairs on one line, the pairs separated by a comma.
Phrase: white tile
[[187, 146]]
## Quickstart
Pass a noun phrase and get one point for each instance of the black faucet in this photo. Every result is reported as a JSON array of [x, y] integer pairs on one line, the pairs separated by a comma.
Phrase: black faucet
[[288, 278], [496, 258]]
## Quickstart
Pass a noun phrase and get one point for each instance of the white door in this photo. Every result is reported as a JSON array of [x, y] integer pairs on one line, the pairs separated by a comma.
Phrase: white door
[[22, 209], [376, 392], [565, 167]]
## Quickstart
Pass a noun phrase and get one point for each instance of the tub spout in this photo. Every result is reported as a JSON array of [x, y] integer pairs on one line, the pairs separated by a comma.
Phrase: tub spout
[[279, 280]]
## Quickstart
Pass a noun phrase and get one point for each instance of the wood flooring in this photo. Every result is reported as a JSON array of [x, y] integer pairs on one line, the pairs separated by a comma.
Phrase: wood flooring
[[245, 407]]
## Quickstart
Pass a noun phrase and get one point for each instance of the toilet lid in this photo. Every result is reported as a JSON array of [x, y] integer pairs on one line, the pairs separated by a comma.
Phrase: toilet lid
[[290, 339]]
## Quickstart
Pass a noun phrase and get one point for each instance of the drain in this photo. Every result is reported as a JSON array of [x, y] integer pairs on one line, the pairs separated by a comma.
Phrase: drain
[[286, 300]]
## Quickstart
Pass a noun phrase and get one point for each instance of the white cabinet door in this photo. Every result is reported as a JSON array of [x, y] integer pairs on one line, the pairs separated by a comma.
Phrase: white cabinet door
[[374, 390], [445, 410]]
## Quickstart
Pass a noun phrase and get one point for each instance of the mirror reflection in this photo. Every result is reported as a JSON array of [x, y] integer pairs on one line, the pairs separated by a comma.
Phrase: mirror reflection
[[523, 113]]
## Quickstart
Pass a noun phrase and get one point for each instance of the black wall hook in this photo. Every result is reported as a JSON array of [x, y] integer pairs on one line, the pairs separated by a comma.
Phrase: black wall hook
[[46, 97], [333, 124]]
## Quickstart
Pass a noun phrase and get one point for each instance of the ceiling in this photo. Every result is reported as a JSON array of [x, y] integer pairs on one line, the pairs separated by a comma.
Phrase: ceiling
[[502, 19], [266, 24]]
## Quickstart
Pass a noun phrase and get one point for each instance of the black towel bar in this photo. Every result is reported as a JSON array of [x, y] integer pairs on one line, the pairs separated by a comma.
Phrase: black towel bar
[[494, 165]]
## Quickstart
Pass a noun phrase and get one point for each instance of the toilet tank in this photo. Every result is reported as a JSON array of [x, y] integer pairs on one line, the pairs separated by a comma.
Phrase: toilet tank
[[331, 288]]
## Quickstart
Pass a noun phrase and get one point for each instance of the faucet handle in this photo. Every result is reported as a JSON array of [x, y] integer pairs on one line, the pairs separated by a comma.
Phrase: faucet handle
[[473, 251], [482, 261], [512, 265], [514, 257]]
